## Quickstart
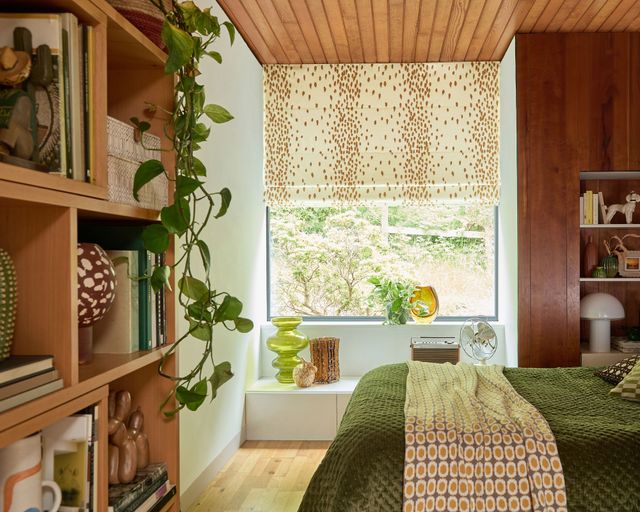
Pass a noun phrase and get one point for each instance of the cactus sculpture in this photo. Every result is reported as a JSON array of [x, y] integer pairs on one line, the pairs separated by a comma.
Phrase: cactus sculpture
[[8, 303]]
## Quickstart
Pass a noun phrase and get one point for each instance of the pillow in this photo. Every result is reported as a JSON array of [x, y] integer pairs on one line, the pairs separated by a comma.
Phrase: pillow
[[618, 371], [629, 388]]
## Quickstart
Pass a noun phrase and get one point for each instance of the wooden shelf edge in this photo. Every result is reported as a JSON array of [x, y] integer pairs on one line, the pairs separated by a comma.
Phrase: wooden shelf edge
[[87, 206], [609, 226], [30, 177], [106, 368], [609, 175], [609, 279], [24, 412], [47, 412]]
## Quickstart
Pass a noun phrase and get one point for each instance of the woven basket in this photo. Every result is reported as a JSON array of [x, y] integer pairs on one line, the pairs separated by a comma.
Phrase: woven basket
[[325, 357], [124, 156], [143, 15]]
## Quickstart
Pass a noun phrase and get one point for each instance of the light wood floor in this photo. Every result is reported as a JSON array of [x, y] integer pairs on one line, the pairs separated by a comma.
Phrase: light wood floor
[[265, 476]]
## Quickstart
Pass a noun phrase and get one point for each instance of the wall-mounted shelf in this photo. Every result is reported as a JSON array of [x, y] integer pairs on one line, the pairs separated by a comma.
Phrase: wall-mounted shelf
[[609, 279], [609, 226], [610, 175]]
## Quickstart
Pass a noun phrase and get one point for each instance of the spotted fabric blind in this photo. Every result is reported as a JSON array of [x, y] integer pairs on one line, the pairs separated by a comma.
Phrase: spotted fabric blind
[[361, 133]]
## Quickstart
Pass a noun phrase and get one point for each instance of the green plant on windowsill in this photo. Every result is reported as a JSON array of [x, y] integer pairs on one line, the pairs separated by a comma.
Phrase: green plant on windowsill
[[189, 34], [394, 297]]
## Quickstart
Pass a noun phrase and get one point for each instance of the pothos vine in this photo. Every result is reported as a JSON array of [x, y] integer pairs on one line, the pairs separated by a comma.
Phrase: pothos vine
[[189, 34]]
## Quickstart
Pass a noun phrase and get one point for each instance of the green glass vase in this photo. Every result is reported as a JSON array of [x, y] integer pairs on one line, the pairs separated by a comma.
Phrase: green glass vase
[[610, 264], [286, 342]]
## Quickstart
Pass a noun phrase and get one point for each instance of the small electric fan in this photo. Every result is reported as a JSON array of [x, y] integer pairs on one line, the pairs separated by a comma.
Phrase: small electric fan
[[478, 340]]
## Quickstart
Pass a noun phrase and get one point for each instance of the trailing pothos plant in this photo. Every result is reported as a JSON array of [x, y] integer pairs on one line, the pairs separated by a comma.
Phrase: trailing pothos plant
[[189, 34]]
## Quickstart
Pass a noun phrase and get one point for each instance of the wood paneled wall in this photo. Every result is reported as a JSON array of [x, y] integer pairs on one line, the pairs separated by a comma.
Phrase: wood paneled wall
[[578, 103]]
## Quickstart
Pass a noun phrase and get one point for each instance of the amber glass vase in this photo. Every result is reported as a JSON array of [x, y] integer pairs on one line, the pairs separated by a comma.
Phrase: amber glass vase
[[424, 304], [286, 342]]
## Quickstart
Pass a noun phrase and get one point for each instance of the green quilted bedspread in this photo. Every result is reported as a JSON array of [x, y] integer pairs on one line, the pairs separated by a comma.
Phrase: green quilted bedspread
[[598, 437]]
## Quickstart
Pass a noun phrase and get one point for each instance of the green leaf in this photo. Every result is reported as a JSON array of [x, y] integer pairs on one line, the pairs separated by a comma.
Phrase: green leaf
[[160, 278], [225, 196], [232, 31], [374, 280], [176, 218], [200, 132], [217, 113], [145, 173], [243, 325], [193, 288], [199, 312], [192, 398], [206, 23], [205, 254], [230, 309], [215, 56], [201, 331], [156, 238], [186, 186], [143, 126], [221, 374], [198, 167], [180, 46]]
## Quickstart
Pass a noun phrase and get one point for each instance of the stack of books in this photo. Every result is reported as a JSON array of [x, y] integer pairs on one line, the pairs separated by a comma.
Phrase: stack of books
[[137, 319], [70, 458], [150, 491], [590, 206], [24, 378], [623, 344], [64, 116]]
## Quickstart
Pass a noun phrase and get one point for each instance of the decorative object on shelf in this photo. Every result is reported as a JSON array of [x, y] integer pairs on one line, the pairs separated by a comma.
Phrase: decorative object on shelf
[[144, 15], [626, 209], [96, 293], [304, 374], [589, 258], [610, 261], [600, 308], [21, 477], [128, 446], [8, 303], [190, 34], [430, 349], [124, 154], [286, 342], [424, 304], [628, 261], [394, 297], [478, 340], [325, 355], [599, 272]]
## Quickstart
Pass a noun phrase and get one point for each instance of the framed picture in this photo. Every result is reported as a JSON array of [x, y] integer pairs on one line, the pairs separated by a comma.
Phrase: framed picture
[[629, 264]]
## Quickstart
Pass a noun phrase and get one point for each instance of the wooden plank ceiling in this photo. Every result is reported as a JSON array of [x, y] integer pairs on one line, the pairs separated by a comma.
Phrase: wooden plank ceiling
[[333, 31]]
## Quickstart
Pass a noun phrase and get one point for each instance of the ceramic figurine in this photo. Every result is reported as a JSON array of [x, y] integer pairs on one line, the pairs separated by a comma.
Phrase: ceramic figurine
[[626, 209], [304, 374], [123, 460]]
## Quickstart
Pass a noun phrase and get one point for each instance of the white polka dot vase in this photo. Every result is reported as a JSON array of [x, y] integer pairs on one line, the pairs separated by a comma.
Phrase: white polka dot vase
[[96, 293], [8, 303]]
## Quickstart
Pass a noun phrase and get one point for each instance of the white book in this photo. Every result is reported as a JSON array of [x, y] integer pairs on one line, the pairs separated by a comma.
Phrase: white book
[[595, 209], [118, 331]]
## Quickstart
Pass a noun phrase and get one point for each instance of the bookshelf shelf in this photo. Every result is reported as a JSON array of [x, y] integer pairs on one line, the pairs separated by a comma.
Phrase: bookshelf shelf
[[40, 215], [609, 280], [24, 176], [107, 367], [609, 226]]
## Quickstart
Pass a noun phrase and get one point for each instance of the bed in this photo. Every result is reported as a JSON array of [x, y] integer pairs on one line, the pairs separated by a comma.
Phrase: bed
[[597, 435]]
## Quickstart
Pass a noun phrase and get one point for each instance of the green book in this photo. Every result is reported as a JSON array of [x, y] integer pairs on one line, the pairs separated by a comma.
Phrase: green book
[[121, 237]]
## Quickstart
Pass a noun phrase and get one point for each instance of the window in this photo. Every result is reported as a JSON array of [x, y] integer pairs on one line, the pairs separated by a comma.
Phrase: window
[[320, 258]]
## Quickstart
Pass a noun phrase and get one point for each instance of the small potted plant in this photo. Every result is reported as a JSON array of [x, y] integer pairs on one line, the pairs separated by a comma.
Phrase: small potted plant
[[394, 297]]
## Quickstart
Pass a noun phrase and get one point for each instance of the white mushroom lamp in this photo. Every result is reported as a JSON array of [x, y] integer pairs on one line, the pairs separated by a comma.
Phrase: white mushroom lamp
[[600, 309]]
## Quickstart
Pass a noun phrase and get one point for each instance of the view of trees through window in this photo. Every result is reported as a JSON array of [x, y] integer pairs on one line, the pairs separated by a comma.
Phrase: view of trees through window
[[322, 257]]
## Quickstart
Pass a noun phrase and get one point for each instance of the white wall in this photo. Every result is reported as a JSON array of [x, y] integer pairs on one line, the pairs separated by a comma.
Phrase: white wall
[[508, 221], [233, 157]]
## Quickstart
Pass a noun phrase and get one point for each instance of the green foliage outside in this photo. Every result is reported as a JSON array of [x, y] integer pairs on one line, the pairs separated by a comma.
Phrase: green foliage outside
[[322, 258]]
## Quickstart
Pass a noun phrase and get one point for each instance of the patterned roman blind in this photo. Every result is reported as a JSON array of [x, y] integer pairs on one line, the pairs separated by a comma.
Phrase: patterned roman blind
[[361, 133]]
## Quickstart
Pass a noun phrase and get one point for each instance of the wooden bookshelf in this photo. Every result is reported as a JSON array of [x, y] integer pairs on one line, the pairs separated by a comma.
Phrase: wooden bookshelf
[[39, 217]]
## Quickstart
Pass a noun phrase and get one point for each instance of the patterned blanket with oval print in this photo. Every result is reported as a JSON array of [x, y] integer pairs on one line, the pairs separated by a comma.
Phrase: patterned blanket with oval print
[[473, 443]]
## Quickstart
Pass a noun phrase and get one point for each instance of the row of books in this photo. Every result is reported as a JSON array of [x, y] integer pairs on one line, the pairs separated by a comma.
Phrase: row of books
[[137, 318], [150, 491], [25, 378], [64, 113], [590, 207], [70, 458]]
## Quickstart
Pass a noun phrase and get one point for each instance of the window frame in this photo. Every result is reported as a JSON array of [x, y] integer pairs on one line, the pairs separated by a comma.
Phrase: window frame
[[363, 319]]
